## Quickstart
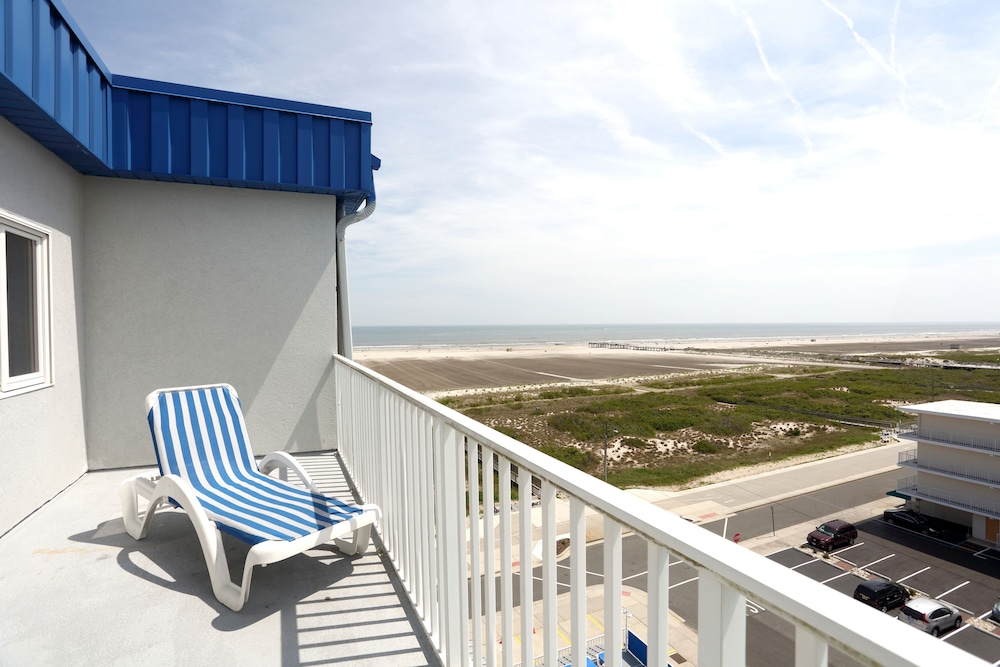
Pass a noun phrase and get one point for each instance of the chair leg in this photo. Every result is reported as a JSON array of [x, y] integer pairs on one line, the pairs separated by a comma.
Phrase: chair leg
[[358, 543], [171, 486], [136, 523]]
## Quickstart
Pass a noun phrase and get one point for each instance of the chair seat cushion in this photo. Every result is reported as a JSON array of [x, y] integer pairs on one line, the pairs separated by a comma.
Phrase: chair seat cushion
[[200, 435]]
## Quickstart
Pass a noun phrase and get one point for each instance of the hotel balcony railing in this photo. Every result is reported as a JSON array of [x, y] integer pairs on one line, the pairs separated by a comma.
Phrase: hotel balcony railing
[[965, 441], [416, 459], [964, 501], [977, 474]]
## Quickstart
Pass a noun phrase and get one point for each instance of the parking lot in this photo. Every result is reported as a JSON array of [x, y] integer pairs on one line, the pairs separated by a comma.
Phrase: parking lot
[[966, 578]]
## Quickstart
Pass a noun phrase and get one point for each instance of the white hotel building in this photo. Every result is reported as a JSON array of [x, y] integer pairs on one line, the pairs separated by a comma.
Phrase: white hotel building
[[957, 464]]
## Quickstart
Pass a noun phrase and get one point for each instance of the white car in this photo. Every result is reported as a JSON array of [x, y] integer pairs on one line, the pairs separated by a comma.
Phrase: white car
[[933, 616]]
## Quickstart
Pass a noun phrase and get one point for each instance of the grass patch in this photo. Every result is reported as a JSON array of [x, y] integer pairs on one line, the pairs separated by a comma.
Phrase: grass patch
[[724, 411]]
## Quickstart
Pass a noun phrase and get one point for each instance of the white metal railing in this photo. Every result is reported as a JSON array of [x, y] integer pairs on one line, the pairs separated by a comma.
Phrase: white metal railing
[[976, 474], [409, 454], [950, 438], [965, 501]]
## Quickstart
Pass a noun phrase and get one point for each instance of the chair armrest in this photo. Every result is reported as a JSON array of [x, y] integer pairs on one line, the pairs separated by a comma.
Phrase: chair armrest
[[283, 461]]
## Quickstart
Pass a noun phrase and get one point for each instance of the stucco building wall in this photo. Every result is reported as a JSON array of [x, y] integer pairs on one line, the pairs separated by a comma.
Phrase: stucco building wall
[[191, 284], [42, 445]]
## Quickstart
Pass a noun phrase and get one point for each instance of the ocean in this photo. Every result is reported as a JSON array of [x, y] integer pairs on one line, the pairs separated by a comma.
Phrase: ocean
[[556, 334]]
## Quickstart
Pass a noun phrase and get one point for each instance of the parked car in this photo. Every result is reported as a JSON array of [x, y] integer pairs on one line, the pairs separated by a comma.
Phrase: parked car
[[907, 518], [881, 594], [832, 534], [995, 614], [933, 616]]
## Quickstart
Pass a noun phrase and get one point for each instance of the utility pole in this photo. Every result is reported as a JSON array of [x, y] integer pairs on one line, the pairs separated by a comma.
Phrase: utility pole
[[614, 430]]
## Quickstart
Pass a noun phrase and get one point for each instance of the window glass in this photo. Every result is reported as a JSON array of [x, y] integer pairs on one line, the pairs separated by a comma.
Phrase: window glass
[[22, 315], [25, 326]]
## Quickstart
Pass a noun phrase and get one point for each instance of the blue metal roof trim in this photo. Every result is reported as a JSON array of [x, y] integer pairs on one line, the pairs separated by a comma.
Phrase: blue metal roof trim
[[55, 88], [52, 86], [187, 134]]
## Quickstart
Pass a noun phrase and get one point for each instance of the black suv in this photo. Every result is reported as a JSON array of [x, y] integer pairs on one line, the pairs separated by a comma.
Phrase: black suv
[[906, 518], [883, 595], [832, 534]]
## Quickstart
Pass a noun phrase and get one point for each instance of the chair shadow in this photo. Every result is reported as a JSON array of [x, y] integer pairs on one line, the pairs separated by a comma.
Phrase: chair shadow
[[334, 608]]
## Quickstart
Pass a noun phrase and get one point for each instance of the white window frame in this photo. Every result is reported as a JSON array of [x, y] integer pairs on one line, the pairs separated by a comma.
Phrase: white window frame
[[13, 223]]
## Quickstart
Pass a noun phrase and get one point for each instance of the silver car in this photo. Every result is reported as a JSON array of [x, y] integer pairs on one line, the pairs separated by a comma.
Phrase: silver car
[[933, 616]]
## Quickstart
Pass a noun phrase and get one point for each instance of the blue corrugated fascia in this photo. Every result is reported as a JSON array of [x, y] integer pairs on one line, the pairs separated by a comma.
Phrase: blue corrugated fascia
[[55, 88], [259, 101], [75, 29]]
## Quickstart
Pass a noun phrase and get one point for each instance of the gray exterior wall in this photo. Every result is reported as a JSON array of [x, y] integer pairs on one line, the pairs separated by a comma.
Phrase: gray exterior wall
[[191, 284], [942, 425], [42, 445]]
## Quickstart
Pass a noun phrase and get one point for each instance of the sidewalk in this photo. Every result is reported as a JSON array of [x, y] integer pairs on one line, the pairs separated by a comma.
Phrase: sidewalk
[[716, 501]]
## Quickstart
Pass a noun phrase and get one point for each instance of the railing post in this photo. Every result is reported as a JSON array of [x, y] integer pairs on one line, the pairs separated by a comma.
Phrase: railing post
[[506, 558], [578, 579], [550, 619], [658, 560], [810, 650], [451, 524], [490, 567], [472, 456], [525, 569], [613, 592], [722, 629]]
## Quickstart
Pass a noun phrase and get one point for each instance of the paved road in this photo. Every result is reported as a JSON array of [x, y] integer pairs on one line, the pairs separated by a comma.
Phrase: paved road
[[758, 521], [770, 640]]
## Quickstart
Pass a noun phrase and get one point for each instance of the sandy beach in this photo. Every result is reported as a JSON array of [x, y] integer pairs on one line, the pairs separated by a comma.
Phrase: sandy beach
[[436, 369]]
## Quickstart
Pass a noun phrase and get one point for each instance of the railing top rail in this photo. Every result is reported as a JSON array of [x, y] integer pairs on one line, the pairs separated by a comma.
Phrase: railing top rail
[[863, 633]]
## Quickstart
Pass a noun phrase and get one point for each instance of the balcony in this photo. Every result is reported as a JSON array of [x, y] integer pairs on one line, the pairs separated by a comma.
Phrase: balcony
[[85, 592], [978, 475], [962, 501], [949, 439]]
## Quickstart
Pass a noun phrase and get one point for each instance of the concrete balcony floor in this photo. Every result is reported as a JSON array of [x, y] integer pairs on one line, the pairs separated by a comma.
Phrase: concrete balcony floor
[[75, 588]]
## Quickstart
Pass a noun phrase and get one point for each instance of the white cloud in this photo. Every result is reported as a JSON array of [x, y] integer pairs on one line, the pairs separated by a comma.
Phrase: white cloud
[[596, 161]]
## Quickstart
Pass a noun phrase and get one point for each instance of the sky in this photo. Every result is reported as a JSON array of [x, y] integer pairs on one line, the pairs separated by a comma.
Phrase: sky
[[576, 161]]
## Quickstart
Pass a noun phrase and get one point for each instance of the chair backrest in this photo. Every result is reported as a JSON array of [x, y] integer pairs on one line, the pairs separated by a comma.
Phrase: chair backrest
[[200, 431], [200, 435]]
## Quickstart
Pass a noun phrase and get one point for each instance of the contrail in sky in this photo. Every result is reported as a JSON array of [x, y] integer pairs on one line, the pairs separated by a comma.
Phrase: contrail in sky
[[799, 111], [712, 142], [891, 67]]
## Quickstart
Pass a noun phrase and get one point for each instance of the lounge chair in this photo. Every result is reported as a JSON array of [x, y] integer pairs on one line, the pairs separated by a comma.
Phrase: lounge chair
[[207, 469]]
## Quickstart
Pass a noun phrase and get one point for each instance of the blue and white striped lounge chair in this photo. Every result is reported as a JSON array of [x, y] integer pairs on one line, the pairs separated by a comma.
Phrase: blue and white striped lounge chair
[[207, 469]]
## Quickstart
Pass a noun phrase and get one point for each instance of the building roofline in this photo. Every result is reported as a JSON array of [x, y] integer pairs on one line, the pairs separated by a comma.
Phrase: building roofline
[[56, 89], [987, 412], [80, 37], [214, 95]]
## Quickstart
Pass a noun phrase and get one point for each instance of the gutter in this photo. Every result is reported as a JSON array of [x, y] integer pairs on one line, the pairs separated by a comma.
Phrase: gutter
[[345, 341]]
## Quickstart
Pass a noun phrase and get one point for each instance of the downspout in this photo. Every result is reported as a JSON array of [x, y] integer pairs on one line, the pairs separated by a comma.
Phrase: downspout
[[345, 342]]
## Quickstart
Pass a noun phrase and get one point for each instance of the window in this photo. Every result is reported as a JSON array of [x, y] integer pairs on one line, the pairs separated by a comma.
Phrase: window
[[24, 304]]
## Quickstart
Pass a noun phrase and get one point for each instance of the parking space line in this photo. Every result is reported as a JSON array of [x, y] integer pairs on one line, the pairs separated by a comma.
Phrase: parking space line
[[842, 574], [643, 573], [963, 627], [863, 567], [795, 567], [682, 583], [951, 591], [858, 544], [914, 574]]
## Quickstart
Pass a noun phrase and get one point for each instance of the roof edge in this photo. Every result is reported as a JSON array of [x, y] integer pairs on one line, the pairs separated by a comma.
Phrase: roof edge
[[81, 37], [213, 95]]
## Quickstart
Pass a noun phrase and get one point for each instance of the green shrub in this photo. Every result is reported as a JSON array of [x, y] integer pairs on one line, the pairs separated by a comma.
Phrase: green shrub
[[705, 447], [508, 431]]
